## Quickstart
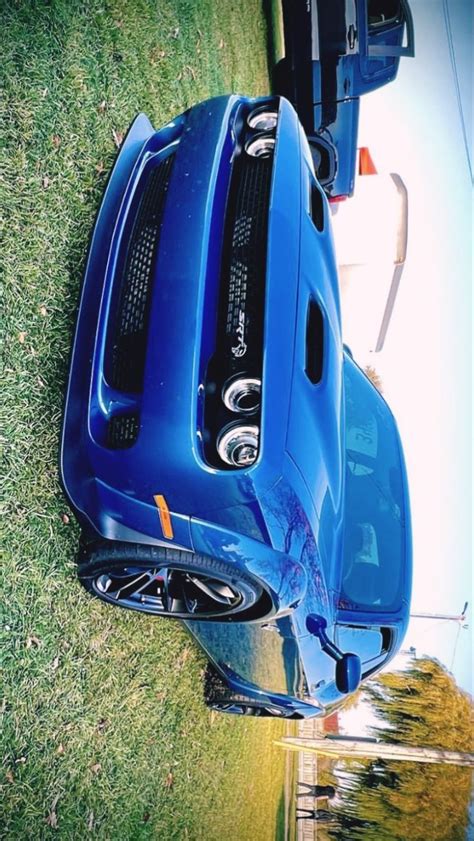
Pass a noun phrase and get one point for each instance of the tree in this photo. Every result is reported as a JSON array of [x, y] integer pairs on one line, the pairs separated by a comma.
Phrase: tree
[[374, 377], [397, 801]]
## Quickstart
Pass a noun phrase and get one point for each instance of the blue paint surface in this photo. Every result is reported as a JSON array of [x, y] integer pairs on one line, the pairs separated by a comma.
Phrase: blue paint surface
[[283, 519]]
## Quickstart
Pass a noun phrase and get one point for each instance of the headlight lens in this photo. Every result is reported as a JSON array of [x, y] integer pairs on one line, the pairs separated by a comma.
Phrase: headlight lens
[[263, 119], [237, 444], [242, 394], [261, 146]]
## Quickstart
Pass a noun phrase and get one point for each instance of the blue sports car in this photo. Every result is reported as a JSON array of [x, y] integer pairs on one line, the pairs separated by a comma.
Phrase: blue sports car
[[228, 462]]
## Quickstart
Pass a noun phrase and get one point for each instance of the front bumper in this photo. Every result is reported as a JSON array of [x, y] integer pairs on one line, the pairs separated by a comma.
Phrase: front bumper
[[112, 488]]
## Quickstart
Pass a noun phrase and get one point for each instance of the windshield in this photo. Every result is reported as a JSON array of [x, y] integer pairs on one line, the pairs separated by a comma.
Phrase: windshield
[[374, 531]]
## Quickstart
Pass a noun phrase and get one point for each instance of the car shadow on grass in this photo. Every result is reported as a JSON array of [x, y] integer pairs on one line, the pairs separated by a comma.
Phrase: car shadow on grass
[[275, 41]]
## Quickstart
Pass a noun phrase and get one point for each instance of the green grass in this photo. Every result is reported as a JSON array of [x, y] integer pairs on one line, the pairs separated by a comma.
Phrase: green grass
[[105, 733], [276, 42]]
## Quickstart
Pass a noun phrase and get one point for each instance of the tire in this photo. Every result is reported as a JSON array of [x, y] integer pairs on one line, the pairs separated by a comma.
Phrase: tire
[[324, 157], [283, 80], [171, 583]]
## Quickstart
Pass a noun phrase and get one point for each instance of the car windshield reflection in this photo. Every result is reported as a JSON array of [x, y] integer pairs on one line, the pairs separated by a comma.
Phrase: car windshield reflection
[[374, 538]]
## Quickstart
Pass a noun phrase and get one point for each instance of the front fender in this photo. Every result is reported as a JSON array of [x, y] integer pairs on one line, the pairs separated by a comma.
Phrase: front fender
[[283, 576]]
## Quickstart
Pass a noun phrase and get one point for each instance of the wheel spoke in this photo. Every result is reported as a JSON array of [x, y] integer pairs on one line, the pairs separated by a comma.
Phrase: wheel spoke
[[152, 578], [167, 590], [216, 591], [190, 602], [130, 587], [174, 602]]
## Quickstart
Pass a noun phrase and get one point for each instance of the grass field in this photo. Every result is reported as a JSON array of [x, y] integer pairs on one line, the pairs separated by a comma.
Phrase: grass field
[[105, 733]]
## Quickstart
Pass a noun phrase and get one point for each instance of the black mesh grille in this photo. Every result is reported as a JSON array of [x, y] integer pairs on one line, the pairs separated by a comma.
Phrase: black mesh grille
[[239, 335], [122, 431], [130, 324], [244, 264]]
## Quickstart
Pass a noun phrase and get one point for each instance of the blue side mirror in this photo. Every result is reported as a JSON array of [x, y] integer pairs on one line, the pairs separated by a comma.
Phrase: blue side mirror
[[348, 666], [348, 673]]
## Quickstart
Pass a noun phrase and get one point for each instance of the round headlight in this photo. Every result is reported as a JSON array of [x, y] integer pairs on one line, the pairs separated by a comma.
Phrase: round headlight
[[237, 444], [261, 146], [263, 119], [242, 394]]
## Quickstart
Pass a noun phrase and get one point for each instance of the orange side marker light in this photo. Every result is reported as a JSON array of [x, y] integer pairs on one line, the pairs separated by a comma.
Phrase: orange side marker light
[[165, 516]]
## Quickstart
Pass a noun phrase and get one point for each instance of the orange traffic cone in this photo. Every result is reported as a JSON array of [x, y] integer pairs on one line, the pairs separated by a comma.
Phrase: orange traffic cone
[[366, 164]]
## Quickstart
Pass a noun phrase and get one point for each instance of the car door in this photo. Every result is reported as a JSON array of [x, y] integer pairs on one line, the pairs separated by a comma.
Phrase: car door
[[383, 24]]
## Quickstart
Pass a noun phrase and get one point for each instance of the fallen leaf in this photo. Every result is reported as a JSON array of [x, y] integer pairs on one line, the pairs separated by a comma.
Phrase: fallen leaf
[[43, 311], [96, 768], [22, 337], [102, 107], [45, 182], [65, 519], [118, 137], [169, 780], [90, 822], [33, 641], [52, 819], [156, 54], [182, 658], [97, 642], [9, 776], [56, 140], [60, 749]]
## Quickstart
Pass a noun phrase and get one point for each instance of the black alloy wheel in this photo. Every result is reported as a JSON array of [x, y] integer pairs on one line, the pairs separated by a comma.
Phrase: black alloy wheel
[[220, 697], [170, 583], [249, 709]]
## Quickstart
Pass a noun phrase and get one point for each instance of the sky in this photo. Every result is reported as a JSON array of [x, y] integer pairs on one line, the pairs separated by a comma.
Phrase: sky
[[420, 126]]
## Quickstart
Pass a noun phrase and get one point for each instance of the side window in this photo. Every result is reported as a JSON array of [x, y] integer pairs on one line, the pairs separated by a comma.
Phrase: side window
[[366, 642], [371, 644], [382, 13], [388, 24]]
